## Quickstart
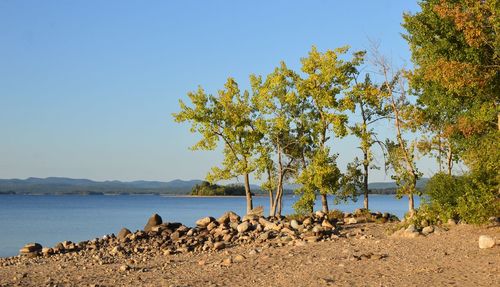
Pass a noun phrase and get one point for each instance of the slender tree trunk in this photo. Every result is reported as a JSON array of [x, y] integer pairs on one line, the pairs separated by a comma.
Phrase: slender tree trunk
[[269, 179], [248, 193], [280, 201], [450, 159], [411, 201], [324, 202], [276, 207], [365, 180]]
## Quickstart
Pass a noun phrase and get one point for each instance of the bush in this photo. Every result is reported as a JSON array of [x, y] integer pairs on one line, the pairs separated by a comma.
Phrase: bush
[[466, 198]]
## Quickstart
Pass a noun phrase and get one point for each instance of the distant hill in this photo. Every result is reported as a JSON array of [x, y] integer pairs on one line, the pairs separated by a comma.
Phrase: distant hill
[[63, 185]]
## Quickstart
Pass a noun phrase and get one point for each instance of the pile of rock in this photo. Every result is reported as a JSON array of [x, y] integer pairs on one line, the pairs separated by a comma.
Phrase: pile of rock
[[209, 235]]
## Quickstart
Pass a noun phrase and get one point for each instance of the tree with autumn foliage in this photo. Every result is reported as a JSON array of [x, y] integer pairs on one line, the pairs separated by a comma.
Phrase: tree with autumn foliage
[[455, 49]]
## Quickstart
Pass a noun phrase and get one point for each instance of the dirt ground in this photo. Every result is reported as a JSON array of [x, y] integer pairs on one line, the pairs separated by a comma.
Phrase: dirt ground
[[364, 256]]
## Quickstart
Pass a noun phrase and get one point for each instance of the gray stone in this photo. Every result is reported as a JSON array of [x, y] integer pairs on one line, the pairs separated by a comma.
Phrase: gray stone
[[154, 220], [486, 242]]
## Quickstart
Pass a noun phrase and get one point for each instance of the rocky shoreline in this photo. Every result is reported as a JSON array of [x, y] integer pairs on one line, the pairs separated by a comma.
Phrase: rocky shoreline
[[334, 249], [209, 234]]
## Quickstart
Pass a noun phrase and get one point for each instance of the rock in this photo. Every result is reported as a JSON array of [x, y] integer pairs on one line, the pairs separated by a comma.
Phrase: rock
[[212, 225], [264, 236], [219, 245], [239, 258], [317, 229], [350, 220], [227, 261], [31, 248], [258, 211], [229, 216], [486, 242], [243, 227], [123, 233], [327, 224], [427, 230], [154, 220], [294, 224], [307, 221], [411, 228], [320, 214], [116, 250], [203, 222], [268, 225], [452, 222], [124, 268], [47, 251]]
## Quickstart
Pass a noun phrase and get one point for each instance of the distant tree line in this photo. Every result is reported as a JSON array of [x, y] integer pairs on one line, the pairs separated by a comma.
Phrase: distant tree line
[[209, 189]]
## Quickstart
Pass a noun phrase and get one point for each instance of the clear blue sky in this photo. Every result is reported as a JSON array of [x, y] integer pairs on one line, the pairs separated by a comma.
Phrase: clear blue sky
[[87, 88]]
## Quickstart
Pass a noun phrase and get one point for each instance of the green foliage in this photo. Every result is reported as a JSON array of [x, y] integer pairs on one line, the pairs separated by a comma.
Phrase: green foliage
[[464, 198], [352, 182], [305, 204], [207, 189]]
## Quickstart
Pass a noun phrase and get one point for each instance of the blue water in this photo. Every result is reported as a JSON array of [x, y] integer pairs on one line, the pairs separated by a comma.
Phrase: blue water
[[50, 219]]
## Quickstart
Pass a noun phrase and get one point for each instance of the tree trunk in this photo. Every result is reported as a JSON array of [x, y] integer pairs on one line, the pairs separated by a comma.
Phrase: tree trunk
[[411, 204], [450, 159], [276, 206], [280, 201], [365, 180], [248, 193], [324, 202], [270, 202], [411, 201]]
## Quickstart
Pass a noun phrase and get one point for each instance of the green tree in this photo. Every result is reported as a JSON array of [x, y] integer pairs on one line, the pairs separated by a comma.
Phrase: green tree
[[226, 117], [281, 121], [327, 78], [368, 102]]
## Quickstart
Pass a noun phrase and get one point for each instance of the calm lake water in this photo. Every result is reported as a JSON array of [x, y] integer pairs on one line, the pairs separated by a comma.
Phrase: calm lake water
[[50, 219]]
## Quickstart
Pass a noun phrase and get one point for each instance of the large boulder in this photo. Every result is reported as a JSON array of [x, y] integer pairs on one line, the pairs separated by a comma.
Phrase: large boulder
[[154, 220]]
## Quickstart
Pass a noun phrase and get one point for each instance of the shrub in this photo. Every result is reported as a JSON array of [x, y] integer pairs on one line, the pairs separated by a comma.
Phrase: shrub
[[467, 198]]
